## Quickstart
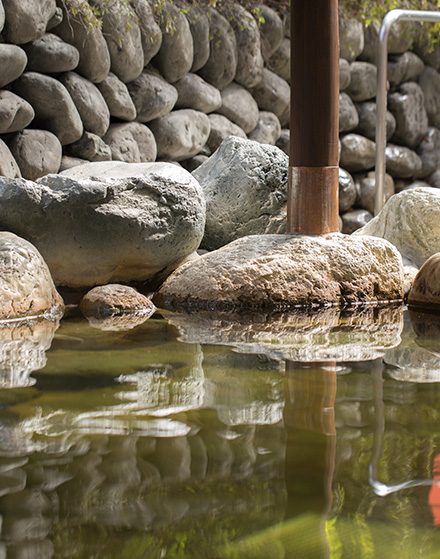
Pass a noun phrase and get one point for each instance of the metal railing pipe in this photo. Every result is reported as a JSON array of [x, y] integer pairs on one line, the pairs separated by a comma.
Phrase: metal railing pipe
[[381, 91]]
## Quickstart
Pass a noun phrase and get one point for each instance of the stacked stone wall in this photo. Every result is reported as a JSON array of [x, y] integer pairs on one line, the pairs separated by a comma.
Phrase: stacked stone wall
[[171, 87]]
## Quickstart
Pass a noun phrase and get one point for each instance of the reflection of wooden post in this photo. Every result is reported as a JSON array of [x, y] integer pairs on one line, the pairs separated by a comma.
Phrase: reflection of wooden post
[[314, 118]]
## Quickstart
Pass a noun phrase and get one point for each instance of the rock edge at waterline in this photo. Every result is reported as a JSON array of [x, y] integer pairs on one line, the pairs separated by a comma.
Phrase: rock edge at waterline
[[283, 271]]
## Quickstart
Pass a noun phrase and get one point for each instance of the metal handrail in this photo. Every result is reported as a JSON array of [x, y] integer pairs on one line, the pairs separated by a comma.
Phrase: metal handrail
[[381, 93]]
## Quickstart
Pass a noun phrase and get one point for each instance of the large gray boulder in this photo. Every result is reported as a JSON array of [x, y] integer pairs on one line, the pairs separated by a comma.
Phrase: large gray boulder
[[15, 112], [51, 55], [151, 33], [117, 97], [176, 55], [403, 67], [366, 188], [245, 186], [195, 93], [99, 230], [26, 20], [37, 152], [199, 27], [429, 151], [13, 60], [239, 106], [53, 105], [180, 134], [268, 129], [363, 81], [281, 271], [131, 142], [367, 121], [221, 67], [91, 105], [402, 162], [271, 30], [357, 153], [272, 93], [348, 115], [409, 220], [408, 107], [26, 286], [8, 165], [91, 148], [152, 96], [279, 62], [351, 37], [429, 81], [220, 128]]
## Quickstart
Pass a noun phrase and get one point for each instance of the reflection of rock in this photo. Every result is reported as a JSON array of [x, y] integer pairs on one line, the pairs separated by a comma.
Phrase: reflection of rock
[[23, 350], [324, 334]]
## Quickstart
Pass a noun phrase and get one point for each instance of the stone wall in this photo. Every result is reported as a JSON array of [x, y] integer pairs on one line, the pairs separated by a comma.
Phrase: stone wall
[[173, 88]]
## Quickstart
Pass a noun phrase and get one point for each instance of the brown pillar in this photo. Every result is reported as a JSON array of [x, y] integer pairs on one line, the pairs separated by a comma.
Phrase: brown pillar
[[314, 118]]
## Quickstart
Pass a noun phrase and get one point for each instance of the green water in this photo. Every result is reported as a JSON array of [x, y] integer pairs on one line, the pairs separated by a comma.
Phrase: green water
[[290, 436]]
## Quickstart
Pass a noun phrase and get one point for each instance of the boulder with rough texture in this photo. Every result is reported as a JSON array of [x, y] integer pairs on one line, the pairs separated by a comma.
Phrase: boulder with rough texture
[[249, 58], [367, 121], [51, 55], [239, 106], [271, 31], [195, 93], [429, 81], [245, 186], [363, 81], [91, 148], [180, 134], [268, 129], [403, 67], [281, 271], [279, 62], [13, 60], [8, 165], [408, 107], [26, 20], [121, 30], [399, 41], [151, 33], [115, 299], [351, 37], [131, 142], [220, 128], [221, 66], [272, 93], [53, 105], [357, 153], [348, 115], [94, 61], [98, 230], [117, 97], [91, 105], [176, 55], [425, 290], [152, 96], [402, 162], [26, 286], [199, 27], [410, 220], [15, 112], [37, 153], [366, 188]]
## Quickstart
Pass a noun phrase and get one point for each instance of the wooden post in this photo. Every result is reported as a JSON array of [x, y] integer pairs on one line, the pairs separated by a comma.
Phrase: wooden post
[[314, 118]]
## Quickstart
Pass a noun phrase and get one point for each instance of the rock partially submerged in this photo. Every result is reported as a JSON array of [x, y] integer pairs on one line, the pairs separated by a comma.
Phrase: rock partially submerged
[[283, 271]]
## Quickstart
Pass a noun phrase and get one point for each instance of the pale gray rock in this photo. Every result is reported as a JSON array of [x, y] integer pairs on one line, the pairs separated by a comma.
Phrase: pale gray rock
[[90, 148], [239, 106], [272, 93], [199, 27], [67, 162], [151, 33], [152, 96], [176, 55], [403, 67], [366, 188], [344, 74], [283, 141], [249, 58], [271, 31], [347, 190], [220, 128], [363, 81], [94, 62], [15, 112], [408, 107], [180, 134], [351, 38], [131, 142], [8, 165], [425, 290], [195, 93], [429, 151], [37, 153], [357, 153], [51, 55], [279, 62], [89, 102], [26, 20], [409, 220], [221, 67], [429, 81], [122, 33], [120, 229], [354, 220], [26, 286], [115, 299], [268, 129], [13, 61], [2, 16], [245, 187], [277, 271], [367, 121], [117, 97], [55, 20], [402, 162], [193, 163], [348, 115], [53, 105], [399, 41]]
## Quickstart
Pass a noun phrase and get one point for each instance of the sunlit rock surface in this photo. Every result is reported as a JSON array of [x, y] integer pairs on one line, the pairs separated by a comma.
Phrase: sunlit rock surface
[[281, 271]]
